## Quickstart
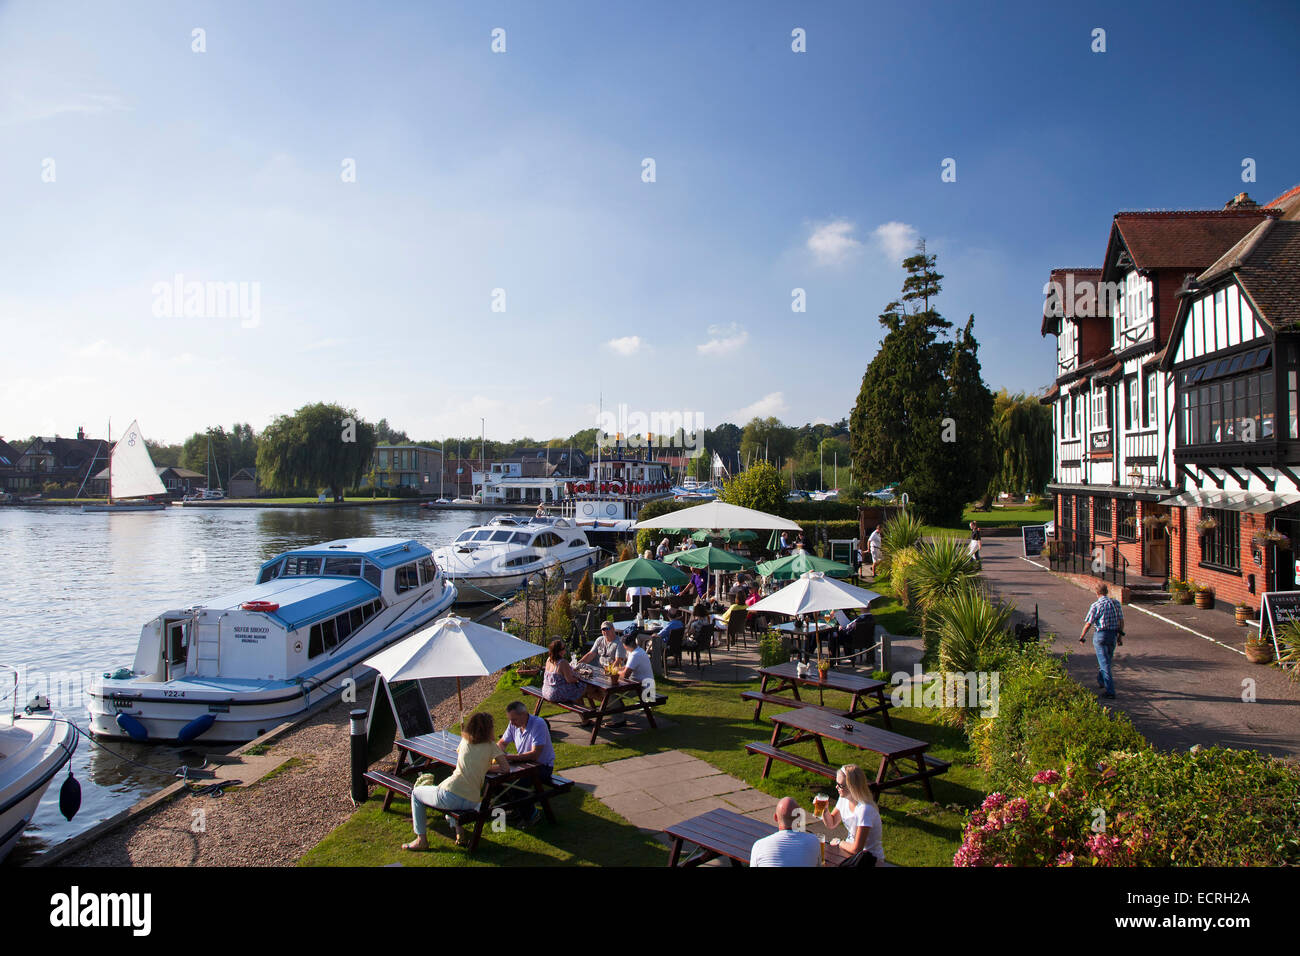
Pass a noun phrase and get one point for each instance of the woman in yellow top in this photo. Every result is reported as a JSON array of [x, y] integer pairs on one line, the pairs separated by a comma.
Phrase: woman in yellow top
[[463, 790]]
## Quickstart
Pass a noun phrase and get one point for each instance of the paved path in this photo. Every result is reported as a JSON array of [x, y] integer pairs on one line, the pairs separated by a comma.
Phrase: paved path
[[1179, 689]]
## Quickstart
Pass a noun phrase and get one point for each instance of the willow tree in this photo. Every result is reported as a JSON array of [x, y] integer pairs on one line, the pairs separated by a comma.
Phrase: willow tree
[[318, 446], [1022, 438]]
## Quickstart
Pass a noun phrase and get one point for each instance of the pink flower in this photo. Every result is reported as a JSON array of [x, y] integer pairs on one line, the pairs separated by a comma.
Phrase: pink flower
[[1065, 859], [993, 801], [1046, 777]]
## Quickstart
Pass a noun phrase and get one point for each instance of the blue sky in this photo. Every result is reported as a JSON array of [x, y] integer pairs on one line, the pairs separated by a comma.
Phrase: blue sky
[[522, 171]]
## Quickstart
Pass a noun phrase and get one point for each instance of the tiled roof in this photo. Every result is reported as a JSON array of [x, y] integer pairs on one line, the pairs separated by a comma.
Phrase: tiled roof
[[1112, 373], [1266, 261], [1189, 239], [1288, 203], [1081, 278]]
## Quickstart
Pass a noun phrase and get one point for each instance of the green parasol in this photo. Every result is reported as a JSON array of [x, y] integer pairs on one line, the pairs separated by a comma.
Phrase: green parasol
[[640, 572], [714, 559], [730, 535], [799, 564]]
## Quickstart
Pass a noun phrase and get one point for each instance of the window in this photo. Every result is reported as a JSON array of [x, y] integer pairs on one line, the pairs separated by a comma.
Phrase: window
[[1067, 518], [1125, 519], [373, 574], [297, 566], [271, 573], [1078, 415], [1131, 417], [343, 567], [1099, 409], [1102, 510], [407, 578], [428, 570], [1150, 419], [1221, 545], [329, 634], [1236, 409]]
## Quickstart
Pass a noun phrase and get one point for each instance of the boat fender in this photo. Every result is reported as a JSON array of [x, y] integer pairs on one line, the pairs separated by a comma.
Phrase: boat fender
[[70, 797], [196, 727], [134, 729]]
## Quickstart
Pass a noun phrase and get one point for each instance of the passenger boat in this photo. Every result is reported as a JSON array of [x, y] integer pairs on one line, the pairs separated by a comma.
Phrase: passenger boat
[[34, 746], [606, 505], [232, 668], [492, 561]]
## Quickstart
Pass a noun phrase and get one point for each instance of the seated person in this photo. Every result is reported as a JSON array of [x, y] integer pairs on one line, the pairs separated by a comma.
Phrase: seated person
[[607, 648], [463, 790], [560, 682], [638, 667], [532, 739], [736, 606], [857, 810], [699, 633], [674, 624], [787, 846]]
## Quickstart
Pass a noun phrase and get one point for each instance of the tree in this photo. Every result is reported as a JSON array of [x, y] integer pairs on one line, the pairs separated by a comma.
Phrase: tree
[[165, 456], [386, 435], [1022, 440], [208, 453], [243, 447], [768, 439], [317, 446], [759, 486], [922, 414]]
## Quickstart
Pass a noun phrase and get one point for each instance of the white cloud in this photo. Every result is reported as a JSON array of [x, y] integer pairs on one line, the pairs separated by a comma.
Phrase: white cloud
[[897, 240], [773, 403], [723, 339], [627, 346], [833, 242]]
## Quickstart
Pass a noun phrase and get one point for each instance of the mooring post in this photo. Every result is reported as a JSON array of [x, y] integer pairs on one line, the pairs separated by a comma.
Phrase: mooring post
[[357, 719]]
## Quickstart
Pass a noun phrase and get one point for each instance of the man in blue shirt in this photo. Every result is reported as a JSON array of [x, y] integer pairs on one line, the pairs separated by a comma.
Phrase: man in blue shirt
[[1108, 618], [532, 740]]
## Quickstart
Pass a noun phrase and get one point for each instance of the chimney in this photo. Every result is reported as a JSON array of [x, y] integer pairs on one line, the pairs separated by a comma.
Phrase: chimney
[[1241, 201], [81, 433]]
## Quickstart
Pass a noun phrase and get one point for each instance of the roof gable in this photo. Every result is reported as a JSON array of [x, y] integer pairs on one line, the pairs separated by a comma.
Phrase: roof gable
[[1189, 239]]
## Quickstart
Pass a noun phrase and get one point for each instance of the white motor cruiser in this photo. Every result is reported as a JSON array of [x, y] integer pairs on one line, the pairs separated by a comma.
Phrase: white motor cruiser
[[494, 560], [34, 746], [232, 668]]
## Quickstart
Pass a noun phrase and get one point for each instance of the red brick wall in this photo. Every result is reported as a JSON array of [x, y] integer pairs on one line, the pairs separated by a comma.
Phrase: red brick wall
[[1229, 588]]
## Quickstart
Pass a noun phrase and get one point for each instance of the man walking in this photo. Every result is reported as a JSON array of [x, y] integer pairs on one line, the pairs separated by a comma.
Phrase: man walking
[[875, 545], [1107, 616]]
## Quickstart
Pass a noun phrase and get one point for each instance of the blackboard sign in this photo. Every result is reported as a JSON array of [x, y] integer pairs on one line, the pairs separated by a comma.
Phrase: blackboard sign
[[1034, 537], [1277, 608], [842, 550], [395, 708]]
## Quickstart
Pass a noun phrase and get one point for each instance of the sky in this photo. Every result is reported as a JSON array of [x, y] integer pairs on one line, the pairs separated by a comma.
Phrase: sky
[[452, 237]]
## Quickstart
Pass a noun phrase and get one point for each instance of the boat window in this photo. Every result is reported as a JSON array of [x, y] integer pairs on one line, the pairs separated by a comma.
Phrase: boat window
[[343, 567], [270, 573], [373, 574], [481, 535], [407, 577], [519, 537], [297, 566], [343, 626], [501, 535], [328, 633], [428, 570], [357, 617], [577, 543], [314, 645], [546, 540], [376, 607], [464, 536]]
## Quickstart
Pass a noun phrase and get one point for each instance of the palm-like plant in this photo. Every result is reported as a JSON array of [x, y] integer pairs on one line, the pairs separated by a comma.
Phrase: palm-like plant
[[900, 532], [943, 568], [1288, 640], [970, 628]]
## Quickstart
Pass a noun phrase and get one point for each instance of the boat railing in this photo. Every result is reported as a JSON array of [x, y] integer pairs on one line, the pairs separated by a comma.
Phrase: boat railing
[[12, 692]]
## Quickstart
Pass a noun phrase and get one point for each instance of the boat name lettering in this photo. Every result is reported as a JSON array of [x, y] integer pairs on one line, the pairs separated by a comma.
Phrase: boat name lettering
[[251, 635], [173, 693]]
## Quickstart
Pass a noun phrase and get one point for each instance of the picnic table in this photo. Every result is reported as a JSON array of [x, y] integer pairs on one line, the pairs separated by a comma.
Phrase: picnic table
[[817, 724], [502, 791], [786, 676], [612, 702], [724, 833]]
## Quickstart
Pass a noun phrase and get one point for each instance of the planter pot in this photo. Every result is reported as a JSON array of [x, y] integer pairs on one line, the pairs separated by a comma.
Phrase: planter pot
[[821, 675], [1243, 617], [1259, 653], [1182, 597], [1204, 599]]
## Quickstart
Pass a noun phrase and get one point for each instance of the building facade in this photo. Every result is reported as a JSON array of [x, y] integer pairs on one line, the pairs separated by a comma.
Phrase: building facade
[[413, 467]]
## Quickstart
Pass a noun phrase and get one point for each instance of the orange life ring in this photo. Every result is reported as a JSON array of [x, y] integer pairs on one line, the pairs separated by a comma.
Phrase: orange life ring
[[265, 607]]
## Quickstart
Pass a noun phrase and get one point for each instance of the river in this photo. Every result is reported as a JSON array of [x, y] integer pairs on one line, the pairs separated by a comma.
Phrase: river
[[79, 587]]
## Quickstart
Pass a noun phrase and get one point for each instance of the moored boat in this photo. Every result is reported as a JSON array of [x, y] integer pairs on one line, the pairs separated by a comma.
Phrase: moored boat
[[233, 667], [34, 746], [491, 561], [132, 477]]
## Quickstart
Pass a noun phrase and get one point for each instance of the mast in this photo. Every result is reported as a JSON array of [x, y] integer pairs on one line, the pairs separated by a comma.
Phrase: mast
[[110, 461]]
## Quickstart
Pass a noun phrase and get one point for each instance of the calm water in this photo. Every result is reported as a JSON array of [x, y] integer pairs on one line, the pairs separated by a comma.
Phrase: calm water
[[78, 588]]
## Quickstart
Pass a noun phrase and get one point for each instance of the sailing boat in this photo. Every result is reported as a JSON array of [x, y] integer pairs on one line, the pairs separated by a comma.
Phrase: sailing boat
[[131, 474]]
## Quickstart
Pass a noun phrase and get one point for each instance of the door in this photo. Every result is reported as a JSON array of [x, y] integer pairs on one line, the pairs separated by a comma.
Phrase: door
[[1284, 571], [177, 649], [1155, 545], [1082, 524]]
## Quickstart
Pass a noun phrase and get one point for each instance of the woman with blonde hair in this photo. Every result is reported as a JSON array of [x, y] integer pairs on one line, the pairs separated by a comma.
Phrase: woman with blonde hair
[[463, 790], [856, 809]]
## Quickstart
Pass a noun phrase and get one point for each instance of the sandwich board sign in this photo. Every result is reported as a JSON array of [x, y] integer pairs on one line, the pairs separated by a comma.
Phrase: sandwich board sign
[[1034, 537], [1277, 609], [396, 708]]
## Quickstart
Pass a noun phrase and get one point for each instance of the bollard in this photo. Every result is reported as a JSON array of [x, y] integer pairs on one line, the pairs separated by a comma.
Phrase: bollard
[[358, 725]]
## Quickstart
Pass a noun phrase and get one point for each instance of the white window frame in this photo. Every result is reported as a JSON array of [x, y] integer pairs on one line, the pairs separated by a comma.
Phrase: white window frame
[[1134, 404], [1153, 395], [1099, 420]]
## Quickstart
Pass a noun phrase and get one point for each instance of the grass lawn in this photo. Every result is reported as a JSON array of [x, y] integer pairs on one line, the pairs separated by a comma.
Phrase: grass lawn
[[1011, 516], [712, 723]]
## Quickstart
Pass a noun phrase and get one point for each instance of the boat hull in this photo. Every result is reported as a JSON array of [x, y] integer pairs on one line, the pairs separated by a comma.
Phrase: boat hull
[[115, 509], [25, 777], [490, 588], [240, 714]]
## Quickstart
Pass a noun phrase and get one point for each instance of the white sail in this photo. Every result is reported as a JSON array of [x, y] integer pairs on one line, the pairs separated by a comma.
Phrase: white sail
[[133, 472]]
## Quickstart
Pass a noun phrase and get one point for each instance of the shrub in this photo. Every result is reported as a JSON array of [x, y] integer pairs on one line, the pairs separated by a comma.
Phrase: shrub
[[1288, 642], [901, 532], [1211, 807], [559, 618], [899, 568], [1045, 720], [626, 552], [972, 635], [586, 595], [771, 650], [943, 568]]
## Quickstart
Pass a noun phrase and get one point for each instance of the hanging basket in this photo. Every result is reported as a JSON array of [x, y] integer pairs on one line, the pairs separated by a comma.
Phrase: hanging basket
[[1206, 524]]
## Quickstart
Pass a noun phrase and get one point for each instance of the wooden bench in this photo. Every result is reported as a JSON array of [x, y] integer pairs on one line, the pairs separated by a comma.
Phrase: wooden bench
[[758, 695], [595, 716], [776, 753], [478, 816]]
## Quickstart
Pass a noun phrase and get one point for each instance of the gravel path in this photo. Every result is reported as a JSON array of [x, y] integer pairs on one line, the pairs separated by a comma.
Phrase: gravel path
[[275, 821]]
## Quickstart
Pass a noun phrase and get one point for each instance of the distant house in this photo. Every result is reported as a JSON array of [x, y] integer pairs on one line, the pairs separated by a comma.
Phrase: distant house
[[59, 460], [9, 456], [243, 484], [551, 462], [406, 466], [179, 482]]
